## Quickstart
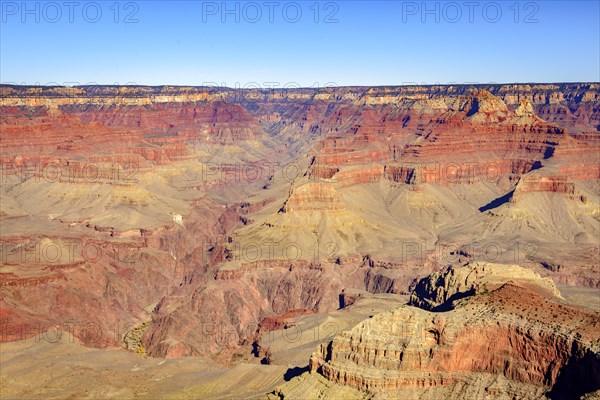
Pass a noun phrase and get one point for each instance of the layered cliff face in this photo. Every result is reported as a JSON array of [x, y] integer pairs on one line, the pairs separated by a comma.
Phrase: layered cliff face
[[242, 205], [440, 289], [516, 328]]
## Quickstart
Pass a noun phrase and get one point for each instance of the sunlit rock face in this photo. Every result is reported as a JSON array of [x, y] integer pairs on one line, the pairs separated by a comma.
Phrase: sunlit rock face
[[498, 320]]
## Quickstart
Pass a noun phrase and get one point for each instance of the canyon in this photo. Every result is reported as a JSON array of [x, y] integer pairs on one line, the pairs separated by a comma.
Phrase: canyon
[[196, 224]]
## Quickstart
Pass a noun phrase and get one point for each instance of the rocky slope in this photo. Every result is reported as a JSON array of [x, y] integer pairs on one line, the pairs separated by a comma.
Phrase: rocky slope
[[517, 328], [440, 289]]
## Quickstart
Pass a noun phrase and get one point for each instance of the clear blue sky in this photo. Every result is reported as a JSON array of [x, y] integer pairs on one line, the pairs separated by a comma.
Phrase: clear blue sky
[[372, 43]]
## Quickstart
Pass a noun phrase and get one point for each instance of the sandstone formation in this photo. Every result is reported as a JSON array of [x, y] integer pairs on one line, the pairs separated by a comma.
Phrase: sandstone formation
[[440, 289], [516, 329]]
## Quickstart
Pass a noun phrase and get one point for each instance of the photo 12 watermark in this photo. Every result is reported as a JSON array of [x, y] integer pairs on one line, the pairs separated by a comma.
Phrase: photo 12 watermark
[[68, 171], [52, 12], [453, 12], [248, 251], [62, 252], [325, 12]]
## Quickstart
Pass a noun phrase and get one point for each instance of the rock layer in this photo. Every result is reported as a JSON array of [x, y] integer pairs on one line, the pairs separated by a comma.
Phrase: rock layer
[[515, 330]]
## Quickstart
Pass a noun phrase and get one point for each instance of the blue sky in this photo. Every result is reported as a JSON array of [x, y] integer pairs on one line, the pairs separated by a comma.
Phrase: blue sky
[[346, 43]]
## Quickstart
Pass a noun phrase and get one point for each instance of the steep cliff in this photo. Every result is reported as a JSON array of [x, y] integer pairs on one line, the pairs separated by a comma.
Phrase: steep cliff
[[515, 328]]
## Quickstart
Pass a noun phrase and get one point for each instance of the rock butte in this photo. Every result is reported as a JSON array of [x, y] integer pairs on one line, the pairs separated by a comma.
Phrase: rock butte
[[216, 214], [518, 329]]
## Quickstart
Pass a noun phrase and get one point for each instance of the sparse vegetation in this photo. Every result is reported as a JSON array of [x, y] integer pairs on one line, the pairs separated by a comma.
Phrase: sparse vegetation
[[133, 338]]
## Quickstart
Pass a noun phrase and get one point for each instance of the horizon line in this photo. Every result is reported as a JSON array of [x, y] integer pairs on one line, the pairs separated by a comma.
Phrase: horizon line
[[407, 84]]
